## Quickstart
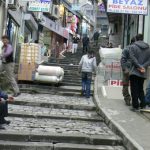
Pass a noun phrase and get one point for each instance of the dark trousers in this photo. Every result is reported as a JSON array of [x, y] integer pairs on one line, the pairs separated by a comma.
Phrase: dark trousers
[[3, 110], [125, 89], [85, 48], [137, 91], [86, 83]]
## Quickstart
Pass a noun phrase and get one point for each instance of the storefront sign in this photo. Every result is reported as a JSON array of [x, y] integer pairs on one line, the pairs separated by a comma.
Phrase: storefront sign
[[39, 6], [139, 7], [115, 83], [48, 1], [55, 27], [75, 7]]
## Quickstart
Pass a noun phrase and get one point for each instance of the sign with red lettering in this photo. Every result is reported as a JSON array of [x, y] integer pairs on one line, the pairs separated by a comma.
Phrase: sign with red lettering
[[139, 7], [115, 83]]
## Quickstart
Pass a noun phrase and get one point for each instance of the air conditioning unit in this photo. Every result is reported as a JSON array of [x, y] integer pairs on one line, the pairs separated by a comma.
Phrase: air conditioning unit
[[55, 11], [12, 4]]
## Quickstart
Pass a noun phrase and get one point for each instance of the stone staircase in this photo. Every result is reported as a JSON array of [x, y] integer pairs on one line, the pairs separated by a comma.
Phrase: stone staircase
[[53, 122], [57, 118]]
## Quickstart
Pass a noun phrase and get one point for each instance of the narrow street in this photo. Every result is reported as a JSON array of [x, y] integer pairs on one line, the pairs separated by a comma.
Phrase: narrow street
[[74, 75], [60, 120]]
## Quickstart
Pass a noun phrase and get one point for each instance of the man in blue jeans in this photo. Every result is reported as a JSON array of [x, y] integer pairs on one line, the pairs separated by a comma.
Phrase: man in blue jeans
[[87, 66]]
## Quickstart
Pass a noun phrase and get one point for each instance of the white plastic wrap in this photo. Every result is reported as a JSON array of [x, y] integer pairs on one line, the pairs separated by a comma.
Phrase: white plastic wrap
[[110, 52], [50, 71], [48, 79]]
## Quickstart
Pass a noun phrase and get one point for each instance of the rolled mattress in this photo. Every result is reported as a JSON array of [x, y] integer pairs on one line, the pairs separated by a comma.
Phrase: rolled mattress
[[50, 71], [48, 79]]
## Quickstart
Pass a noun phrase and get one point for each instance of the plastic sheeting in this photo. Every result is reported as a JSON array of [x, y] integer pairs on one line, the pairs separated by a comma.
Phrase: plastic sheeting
[[50, 71], [48, 79], [110, 53]]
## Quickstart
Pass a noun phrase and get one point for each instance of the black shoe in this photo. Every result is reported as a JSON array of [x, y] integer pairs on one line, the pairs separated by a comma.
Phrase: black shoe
[[16, 94], [5, 122], [135, 109], [128, 102]]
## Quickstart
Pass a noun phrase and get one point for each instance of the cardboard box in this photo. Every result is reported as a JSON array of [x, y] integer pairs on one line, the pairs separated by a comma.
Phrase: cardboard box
[[26, 71]]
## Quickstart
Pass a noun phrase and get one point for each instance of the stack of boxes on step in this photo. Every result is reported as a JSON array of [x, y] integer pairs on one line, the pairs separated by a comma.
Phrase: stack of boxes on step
[[30, 57]]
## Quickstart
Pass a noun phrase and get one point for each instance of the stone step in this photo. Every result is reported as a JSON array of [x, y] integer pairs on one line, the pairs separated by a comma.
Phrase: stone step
[[11, 145], [73, 80], [48, 136], [53, 92], [41, 88], [63, 65], [52, 113], [53, 101], [70, 83]]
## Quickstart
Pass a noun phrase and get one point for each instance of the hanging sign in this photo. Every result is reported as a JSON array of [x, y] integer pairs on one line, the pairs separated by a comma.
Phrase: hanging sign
[[39, 6], [76, 7], [48, 1], [139, 7]]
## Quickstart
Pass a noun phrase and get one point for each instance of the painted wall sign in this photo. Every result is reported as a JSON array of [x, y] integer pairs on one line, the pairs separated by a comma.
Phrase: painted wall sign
[[139, 7]]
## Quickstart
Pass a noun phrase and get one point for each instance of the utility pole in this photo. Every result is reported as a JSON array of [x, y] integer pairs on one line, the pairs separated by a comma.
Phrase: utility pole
[[5, 17]]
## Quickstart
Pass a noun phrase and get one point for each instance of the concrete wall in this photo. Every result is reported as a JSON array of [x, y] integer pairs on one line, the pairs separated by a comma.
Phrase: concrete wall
[[1, 19], [147, 28]]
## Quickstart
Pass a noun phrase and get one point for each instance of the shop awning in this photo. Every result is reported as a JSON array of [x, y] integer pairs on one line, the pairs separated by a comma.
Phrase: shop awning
[[16, 15], [55, 27], [29, 18]]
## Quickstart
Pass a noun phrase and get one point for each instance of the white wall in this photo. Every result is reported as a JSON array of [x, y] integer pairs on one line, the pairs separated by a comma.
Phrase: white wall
[[1, 19], [147, 28]]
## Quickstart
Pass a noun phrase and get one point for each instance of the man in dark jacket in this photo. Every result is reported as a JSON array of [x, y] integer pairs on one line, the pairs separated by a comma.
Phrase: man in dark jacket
[[96, 37], [8, 64], [126, 64], [140, 58], [4, 108], [85, 42]]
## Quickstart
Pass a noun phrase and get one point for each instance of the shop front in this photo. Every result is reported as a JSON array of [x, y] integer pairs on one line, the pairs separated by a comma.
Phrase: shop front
[[14, 20], [57, 35], [30, 29]]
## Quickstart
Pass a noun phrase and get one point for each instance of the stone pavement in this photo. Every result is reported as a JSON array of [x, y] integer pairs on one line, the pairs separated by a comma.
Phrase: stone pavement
[[54, 122], [131, 126]]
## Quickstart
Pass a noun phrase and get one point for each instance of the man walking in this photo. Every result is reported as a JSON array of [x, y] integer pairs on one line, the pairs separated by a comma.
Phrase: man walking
[[75, 44], [140, 58], [96, 37], [87, 65], [126, 64], [8, 65], [85, 42]]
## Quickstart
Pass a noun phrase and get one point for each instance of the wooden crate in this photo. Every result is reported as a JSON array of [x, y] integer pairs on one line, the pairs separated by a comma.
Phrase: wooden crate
[[26, 71]]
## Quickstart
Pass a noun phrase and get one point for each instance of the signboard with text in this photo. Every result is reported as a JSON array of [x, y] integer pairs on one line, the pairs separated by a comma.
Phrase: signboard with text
[[139, 7], [39, 6]]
